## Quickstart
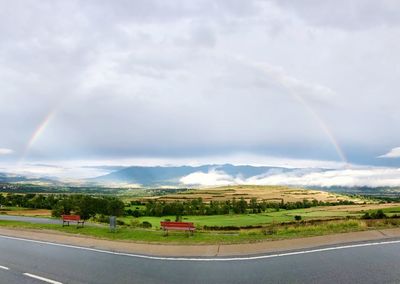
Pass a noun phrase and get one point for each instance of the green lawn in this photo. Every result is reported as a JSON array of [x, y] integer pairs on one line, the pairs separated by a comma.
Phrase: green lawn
[[391, 210], [133, 207], [249, 219]]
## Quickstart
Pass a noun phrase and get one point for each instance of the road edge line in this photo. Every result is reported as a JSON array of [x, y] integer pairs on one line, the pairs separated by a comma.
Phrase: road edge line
[[41, 278], [208, 259]]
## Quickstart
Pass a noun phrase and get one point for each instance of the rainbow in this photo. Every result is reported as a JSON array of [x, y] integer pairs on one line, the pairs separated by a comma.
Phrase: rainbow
[[324, 127], [321, 123], [310, 110], [46, 121], [38, 132]]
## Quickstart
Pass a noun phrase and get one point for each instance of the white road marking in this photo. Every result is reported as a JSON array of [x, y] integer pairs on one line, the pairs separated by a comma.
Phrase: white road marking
[[208, 259], [42, 278], [3, 267]]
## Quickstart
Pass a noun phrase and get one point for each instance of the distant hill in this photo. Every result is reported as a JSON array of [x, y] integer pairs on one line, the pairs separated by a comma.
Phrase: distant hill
[[13, 178], [161, 176]]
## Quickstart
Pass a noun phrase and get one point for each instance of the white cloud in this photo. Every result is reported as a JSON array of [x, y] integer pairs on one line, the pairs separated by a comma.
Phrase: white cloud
[[349, 178], [5, 151], [394, 153], [371, 177], [214, 177]]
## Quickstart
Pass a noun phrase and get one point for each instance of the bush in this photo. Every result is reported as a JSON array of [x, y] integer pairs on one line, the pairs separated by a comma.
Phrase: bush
[[366, 216], [120, 222], [146, 224], [102, 219], [135, 223], [379, 214], [297, 218]]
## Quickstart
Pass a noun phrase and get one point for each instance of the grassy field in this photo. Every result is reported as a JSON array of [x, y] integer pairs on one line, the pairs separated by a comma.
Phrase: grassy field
[[314, 213], [243, 219]]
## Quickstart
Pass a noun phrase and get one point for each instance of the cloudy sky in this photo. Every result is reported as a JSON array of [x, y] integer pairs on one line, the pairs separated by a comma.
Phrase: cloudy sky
[[195, 81]]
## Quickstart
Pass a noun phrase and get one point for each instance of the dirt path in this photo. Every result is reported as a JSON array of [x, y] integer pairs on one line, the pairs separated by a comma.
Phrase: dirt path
[[201, 250]]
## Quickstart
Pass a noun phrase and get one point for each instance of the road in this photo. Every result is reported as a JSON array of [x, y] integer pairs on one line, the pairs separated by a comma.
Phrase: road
[[378, 263]]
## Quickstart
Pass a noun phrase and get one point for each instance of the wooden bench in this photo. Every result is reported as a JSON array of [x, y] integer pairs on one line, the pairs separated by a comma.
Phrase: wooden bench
[[72, 218], [179, 226]]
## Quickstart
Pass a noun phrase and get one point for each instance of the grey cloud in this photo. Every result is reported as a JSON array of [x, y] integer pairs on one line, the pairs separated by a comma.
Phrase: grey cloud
[[354, 14], [178, 78], [370, 177]]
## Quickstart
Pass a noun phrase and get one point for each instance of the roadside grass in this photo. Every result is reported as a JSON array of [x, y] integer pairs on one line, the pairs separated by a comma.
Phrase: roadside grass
[[12, 208], [272, 232]]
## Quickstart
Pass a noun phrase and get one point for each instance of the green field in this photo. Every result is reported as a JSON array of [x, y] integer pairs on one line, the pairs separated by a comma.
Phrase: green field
[[251, 219]]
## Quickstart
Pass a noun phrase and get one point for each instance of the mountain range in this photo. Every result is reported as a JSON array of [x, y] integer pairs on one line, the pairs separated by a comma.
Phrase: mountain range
[[172, 175]]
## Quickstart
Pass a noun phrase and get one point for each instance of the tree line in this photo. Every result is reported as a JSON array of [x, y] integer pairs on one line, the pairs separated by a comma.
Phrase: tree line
[[86, 206], [235, 206]]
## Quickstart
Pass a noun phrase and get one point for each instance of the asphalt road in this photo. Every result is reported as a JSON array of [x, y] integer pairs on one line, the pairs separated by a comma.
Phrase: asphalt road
[[366, 264]]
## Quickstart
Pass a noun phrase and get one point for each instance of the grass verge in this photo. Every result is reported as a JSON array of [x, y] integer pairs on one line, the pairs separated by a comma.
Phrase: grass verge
[[274, 232]]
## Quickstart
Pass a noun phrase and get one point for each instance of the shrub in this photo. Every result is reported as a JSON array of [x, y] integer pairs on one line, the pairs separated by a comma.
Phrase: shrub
[[146, 224], [379, 214], [297, 217], [135, 223], [366, 216], [102, 219], [120, 222]]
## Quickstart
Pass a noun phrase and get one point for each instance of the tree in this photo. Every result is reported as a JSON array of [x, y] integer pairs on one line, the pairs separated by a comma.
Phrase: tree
[[115, 207], [253, 204], [85, 207]]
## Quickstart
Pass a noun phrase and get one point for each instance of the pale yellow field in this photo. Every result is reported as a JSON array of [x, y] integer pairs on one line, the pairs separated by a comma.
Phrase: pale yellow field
[[267, 193], [28, 212]]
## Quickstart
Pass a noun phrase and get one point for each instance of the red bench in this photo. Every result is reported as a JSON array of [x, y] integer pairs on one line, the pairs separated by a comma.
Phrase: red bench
[[180, 226], [72, 218]]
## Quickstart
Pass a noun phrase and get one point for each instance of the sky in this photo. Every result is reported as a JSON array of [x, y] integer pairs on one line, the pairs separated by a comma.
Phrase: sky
[[187, 82]]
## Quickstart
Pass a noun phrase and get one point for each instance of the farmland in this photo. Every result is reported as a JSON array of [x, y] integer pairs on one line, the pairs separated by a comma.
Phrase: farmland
[[267, 212], [262, 219], [261, 193]]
